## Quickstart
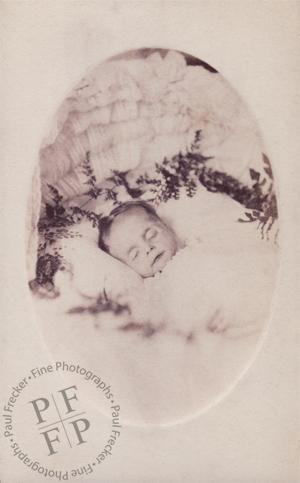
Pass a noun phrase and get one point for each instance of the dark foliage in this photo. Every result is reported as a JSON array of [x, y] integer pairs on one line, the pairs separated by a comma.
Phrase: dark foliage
[[102, 304], [182, 171], [186, 171]]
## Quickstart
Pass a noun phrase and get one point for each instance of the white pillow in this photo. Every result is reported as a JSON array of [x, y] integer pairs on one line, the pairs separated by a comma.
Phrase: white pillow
[[93, 269]]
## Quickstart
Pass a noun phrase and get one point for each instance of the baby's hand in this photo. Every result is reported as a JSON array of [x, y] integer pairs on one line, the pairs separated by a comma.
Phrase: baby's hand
[[133, 296], [125, 298], [217, 323]]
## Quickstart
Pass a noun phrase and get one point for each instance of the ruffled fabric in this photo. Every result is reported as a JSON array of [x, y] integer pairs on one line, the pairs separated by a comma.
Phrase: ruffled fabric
[[131, 114]]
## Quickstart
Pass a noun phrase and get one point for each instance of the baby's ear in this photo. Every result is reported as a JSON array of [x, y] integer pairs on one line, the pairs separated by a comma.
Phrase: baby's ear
[[102, 225], [103, 222]]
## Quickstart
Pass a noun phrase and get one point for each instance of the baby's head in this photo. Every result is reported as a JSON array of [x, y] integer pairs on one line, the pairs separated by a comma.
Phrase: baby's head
[[134, 234]]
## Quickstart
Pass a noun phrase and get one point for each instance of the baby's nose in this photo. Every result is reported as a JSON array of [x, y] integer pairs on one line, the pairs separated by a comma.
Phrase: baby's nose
[[149, 249]]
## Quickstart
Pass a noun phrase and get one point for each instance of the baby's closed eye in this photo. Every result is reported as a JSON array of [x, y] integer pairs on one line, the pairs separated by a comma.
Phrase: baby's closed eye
[[133, 253], [150, 233]]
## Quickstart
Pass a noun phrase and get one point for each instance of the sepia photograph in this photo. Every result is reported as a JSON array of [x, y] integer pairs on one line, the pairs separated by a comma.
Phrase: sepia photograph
[[149, 215], [152, 232]]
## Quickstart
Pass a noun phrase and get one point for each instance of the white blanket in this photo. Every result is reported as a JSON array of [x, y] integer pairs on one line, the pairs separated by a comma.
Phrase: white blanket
[[192, 329], [223, 278]]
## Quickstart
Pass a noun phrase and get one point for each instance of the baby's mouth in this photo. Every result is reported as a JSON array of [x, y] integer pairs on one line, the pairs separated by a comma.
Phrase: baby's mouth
[[157, 258]]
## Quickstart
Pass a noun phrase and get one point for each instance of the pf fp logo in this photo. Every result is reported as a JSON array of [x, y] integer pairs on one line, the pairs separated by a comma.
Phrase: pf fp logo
[[59, 420]]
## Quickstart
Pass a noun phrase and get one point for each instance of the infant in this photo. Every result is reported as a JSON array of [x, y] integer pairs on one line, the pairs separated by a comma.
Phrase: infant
[[134, 234]]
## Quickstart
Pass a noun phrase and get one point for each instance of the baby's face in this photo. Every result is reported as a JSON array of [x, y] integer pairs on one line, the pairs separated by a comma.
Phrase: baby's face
[[142, 241]]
